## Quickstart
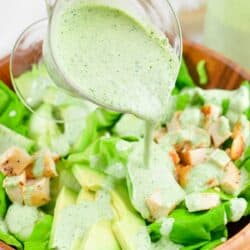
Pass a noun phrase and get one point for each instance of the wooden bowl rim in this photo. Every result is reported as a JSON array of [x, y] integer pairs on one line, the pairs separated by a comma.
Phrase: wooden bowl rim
[[219, 57]]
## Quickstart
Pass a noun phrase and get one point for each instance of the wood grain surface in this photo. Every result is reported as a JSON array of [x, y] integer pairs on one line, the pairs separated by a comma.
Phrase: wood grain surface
[[222, 73]]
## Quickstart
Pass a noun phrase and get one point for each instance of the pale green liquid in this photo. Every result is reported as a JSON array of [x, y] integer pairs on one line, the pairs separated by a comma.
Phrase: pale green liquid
[[114, 60]]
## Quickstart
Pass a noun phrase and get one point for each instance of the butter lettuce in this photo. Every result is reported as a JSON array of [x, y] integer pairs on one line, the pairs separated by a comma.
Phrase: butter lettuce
[[184, 79], [202, 72], [97, 123], [10, 240], [198, 227], [46, 132], [34, 83], [39, 238], [106, 154], [3, 198], [129, 127], [13, 114], [194, 230]]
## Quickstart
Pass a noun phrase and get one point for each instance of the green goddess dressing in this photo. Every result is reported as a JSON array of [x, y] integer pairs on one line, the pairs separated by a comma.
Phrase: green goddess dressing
[[116, 60]]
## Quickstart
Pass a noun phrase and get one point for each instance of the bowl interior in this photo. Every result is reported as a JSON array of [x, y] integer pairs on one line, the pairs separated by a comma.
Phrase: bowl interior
[[222, 73]]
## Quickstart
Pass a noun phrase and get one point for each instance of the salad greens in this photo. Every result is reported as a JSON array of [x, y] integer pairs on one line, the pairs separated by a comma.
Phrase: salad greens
[[82, 167], [13, 113], [201, 69]]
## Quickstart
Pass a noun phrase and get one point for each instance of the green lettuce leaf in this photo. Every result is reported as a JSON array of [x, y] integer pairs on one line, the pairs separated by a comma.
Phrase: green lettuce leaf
[[244, 160], [3, 198], [97, 123], [34, 83], [225, 106], [202, 72], [46, 132], [4, 97], [129, 128], [36, 245], [10, 240], [194, 230], [13, 114], [39, 239], [184, 79], [197, 226], [106, 154]]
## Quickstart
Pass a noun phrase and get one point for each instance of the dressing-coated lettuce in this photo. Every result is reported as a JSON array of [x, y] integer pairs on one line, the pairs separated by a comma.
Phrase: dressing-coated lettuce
[[97, 123], [193, 230], [106, 154], [39, 239]]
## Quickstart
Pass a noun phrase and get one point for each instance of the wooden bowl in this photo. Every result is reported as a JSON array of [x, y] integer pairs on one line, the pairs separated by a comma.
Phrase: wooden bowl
[[222, 73]]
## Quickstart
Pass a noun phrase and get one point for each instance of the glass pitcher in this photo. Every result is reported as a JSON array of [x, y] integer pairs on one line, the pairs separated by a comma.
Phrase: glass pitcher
[[157, 14]]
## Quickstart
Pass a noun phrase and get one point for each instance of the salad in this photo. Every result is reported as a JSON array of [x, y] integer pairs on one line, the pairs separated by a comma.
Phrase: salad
[[82, 184]]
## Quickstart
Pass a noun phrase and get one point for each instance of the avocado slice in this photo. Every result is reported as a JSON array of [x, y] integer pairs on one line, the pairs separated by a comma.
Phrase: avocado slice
[[85, 195], [129, 228], [65, 199], [74, 222], [88, 178], [100, 236]]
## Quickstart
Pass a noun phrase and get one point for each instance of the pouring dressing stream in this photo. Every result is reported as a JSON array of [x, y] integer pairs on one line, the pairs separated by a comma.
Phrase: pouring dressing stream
[[113, 57]]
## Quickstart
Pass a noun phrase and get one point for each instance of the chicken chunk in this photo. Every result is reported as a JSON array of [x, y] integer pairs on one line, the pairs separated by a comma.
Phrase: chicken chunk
[[14, 161], [211, 113], [182, 173], [43, 166], [174, 124], [174, 156], [219, 130], [220, 158], [37, 192], [195, 156], [156, 206], [237, 147], [13, 186], [201, 201], [230, 182]]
